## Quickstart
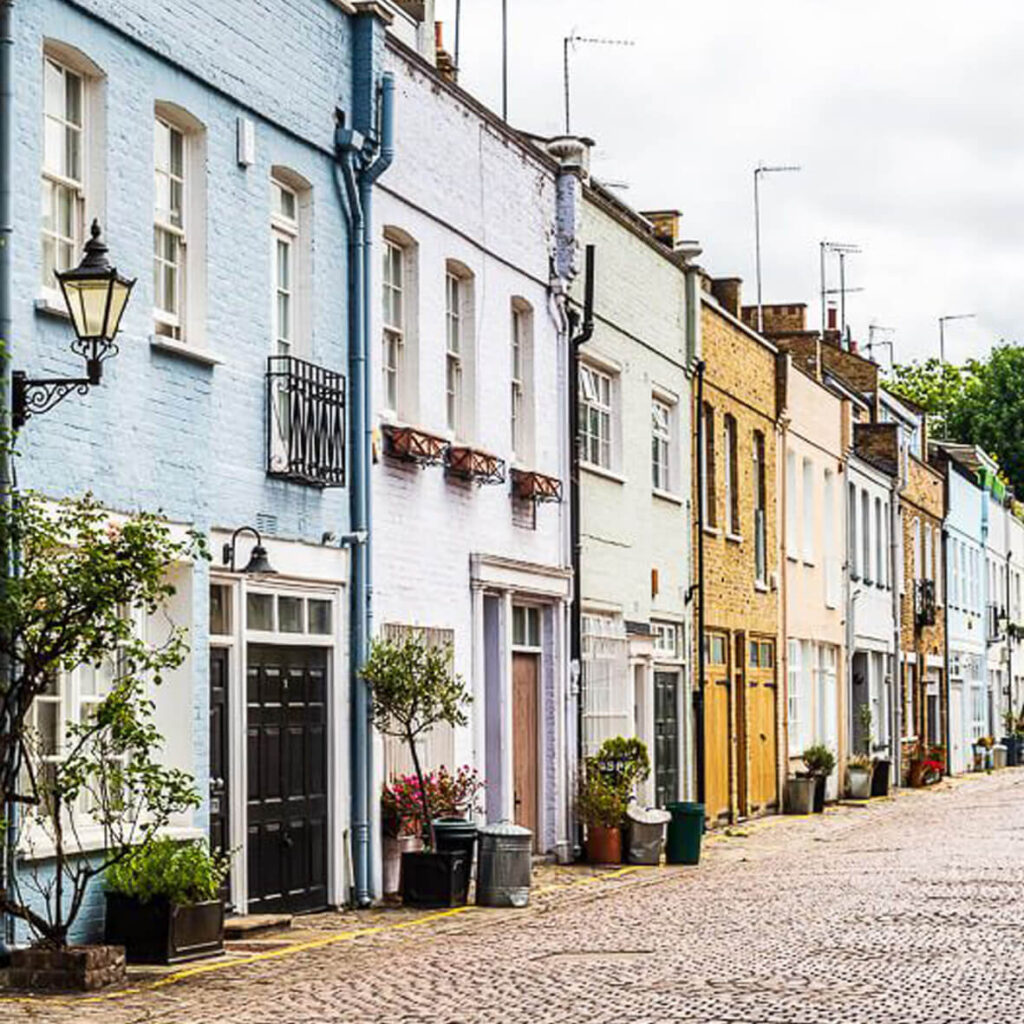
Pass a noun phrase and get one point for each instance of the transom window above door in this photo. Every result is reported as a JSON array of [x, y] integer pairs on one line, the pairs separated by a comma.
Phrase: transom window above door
[[288, 613], [525, 626]]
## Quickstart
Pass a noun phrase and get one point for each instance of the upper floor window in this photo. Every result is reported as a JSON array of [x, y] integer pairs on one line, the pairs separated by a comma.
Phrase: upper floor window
[[179, 219], [916, 541], [709, 495], [760, 511], [865, 537], [732, 477], [521, 380], [284, 220], [661, 444], [595, 416], [64, 145], [829, 552], [792, 506], [393, 337], [808, 496], [458, 372], [851, 528]]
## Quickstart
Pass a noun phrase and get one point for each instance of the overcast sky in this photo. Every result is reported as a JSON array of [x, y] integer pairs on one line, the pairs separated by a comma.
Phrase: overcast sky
[[907, 117]]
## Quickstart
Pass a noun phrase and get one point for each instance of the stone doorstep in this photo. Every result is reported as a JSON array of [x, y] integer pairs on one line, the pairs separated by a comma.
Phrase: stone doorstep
[[250, 925], [79, 968]]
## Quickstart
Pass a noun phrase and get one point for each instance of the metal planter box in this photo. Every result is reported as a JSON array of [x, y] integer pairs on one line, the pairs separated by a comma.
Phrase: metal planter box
[[435, 879], [160, 932]]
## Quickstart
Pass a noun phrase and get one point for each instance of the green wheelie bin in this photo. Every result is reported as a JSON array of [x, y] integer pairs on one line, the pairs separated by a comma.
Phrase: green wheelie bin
[[682, 845]]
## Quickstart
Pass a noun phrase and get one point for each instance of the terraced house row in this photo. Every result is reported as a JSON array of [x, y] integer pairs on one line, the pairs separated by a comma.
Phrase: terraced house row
[[361, 342]]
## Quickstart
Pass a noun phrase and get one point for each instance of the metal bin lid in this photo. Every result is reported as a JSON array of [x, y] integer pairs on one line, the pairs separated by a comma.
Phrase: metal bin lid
[[504, 828], [648, 815]]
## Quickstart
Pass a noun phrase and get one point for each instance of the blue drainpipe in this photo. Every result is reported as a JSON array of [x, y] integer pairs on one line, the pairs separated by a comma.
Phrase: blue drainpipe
[[361, 159]]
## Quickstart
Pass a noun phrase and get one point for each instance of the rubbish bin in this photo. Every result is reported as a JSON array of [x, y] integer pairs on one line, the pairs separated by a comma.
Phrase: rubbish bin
[[455, 835], [506, 862], [999, 756], [684, 832], [646, 826]]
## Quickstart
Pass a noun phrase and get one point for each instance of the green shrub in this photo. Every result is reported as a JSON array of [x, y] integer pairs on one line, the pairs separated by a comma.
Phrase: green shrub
[[623, 762], [819, 760], [169, 870], [599, 802]]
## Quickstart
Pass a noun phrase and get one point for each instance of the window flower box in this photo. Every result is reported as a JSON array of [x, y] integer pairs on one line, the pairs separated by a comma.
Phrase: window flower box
[[411, 444], [528, 485], [465, 463]]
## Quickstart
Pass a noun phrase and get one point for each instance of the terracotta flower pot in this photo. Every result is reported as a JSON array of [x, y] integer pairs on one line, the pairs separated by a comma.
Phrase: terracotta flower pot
[[604, 845], [916, 773]]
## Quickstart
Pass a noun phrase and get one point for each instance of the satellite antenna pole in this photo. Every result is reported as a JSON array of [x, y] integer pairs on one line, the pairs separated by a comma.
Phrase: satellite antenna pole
[[842, 249], [758, 171], [504, 60], [942, 331], [458, 24], [570, 41]]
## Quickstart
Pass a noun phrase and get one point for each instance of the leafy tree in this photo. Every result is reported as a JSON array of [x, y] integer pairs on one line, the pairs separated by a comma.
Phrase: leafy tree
[[80, 575], [414, 689], [980, 403]]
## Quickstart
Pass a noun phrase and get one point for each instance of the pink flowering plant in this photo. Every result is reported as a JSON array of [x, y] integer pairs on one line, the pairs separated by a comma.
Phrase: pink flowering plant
[[448, 794]]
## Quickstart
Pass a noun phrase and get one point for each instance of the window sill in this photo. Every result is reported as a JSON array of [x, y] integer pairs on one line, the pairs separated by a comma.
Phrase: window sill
[[712, 531], [38, 846], [591, 467], [176, 348], [761, 588], [675, 499], [809, 562], [735, 538], [50, 304]]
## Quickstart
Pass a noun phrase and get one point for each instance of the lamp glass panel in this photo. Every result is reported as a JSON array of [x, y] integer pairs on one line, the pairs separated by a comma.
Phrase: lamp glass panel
[[87, 304], [118, 300]]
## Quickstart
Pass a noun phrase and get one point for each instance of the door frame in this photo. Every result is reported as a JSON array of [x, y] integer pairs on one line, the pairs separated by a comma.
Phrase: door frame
[[237, 641], [537, 653]]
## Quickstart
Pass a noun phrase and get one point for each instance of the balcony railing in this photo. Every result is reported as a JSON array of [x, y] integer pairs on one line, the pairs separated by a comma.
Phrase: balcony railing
[[924, 603], [305, 423]]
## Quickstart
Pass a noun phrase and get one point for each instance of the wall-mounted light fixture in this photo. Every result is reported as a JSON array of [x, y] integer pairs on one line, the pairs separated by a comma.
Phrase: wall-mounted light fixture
[[96, 296], [258, 564]]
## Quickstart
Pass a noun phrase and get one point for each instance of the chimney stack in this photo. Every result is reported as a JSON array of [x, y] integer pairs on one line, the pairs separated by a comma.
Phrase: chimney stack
[[726, 291], [665, 224], [831, 318]]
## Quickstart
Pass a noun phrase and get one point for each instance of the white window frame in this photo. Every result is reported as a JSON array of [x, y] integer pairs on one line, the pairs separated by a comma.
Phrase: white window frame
[[807, 472], [521, 388], [453, 309], [171, 323], [661, 445], [793, 702], [284, 234], [830, 552], [792, 507], [393, 297], [852, 541], [597, 407], [865, 519]]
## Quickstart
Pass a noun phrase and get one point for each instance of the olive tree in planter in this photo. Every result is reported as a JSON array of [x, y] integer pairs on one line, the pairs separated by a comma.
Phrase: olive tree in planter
[[415, 688], [81, 579], [859, 767]]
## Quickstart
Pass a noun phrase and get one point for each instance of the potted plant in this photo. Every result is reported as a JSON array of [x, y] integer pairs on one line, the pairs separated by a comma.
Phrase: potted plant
[[401, 813], [983, 753], [601, 806], [819, 763], [455, 800], [415, 688], [798, 797], [858, 776], [1010, 739], [164, 902]]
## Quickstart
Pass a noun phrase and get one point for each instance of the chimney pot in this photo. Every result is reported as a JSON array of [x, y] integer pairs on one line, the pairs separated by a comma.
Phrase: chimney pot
[[832, 318]]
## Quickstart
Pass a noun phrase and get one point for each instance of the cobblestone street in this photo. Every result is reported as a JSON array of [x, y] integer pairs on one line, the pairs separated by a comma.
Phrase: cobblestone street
[[901, 911]]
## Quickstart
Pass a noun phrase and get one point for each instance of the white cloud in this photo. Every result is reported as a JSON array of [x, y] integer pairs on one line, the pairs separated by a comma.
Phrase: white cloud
[[906, 116]]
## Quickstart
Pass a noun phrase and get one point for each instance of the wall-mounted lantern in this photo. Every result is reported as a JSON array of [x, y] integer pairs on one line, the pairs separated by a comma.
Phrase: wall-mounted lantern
[[258, 564], [96, 296]]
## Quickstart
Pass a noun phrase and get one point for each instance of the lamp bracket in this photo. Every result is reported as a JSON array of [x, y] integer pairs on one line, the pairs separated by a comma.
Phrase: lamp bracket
[[32, 396]]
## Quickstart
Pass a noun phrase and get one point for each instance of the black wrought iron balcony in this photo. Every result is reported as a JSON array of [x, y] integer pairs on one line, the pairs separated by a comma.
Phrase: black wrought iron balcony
[[305, 423]]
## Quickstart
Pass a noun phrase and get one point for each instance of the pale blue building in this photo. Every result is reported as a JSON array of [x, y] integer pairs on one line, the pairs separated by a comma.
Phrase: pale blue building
[[227, 150]]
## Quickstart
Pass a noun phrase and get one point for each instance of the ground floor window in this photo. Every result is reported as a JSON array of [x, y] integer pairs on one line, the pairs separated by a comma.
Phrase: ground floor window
[[607, 689]]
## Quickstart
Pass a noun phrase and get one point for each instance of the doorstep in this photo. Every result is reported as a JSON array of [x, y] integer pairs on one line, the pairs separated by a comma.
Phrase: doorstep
[[250, 925]]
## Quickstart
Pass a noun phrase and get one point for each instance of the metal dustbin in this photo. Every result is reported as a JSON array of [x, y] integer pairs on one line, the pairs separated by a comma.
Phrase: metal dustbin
[[999, 756], [504, 866], [455, 835], [646, 831]]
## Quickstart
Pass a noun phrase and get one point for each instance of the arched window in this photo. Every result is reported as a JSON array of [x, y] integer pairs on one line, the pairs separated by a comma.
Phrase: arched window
[[290, 202]]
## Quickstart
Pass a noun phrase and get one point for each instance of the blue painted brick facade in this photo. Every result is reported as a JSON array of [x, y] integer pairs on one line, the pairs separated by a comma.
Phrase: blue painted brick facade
[[163, 432]]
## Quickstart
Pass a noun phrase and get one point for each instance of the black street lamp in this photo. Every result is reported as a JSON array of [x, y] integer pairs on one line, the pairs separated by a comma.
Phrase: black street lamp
[[95, 295]]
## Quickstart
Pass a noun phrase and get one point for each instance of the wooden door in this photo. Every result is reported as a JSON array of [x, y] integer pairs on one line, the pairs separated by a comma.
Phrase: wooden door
[[220, 825], [524, 740], [762, 693], [717, 726], [666, 737], [287, 778]]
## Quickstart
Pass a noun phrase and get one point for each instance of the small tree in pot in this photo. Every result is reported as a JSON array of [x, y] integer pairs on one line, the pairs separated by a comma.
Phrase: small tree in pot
[[415, 688], [859, 767], [601, 806]]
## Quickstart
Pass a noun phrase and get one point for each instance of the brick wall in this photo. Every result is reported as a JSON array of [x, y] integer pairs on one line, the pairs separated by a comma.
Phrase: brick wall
[[778, 318]]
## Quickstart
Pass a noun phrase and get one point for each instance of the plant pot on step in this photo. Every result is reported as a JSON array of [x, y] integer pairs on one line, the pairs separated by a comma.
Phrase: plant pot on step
[[880, 777], [819, 781], [435, 879], [858, 781], [75, 969], [604, 845], [162, 932], [798, 796], [394, 847]]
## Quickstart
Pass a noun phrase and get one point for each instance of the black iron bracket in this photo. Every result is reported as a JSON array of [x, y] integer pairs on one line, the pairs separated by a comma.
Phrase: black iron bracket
[[34, 396]]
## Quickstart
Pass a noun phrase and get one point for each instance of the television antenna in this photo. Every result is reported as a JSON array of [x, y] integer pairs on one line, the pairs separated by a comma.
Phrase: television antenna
[[570, 42]]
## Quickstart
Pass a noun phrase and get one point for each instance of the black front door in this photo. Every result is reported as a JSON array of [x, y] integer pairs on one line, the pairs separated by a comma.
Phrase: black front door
[[220, 834], [287, 793], [666, 737]]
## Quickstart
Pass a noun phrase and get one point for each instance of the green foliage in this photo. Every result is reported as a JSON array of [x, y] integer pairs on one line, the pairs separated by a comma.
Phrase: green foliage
[[83, 576], [980, 403], [624, 762], [599, 801], [414, 688], [865, 717], [819, 760], [181, 873]]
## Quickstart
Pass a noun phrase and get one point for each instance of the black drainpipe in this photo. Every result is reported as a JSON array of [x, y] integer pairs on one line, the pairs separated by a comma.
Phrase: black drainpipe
[[576, 610], [698, 691]]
